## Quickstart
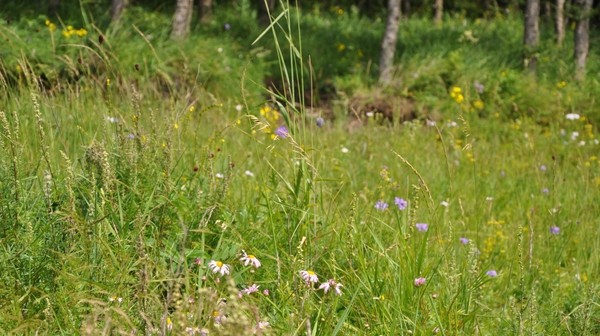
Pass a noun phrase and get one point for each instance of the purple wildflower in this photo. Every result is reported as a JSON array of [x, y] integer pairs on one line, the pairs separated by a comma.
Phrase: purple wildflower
[[227, 26], [545, 191], [400, 202], [422, 227], [554, 230], [381, 205], [320, 122], [492, 273], [464, 240], [282, 131], [543, 168], [479, 87]]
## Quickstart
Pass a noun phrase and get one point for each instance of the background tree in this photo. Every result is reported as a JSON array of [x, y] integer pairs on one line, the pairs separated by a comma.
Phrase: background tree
[[388, 45], [582, 36], [532, 33], [205, 10], [405, 8], [559, 22], [117, 8], [53, 7], [264, 7], [182, 19], [439, 11]]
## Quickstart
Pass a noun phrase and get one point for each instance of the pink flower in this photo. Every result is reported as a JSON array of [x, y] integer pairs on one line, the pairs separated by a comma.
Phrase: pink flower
[[326, 286], [251, 289], [420, 282]]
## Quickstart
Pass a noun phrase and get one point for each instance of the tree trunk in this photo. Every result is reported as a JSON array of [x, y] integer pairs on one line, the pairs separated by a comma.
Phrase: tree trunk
[[388, 45], [405, 8], [182, 19], [264, 8], [532, 33], [117, 8], [439, 11], [560, 21], [582, 36], [205, 10], [53, 7]]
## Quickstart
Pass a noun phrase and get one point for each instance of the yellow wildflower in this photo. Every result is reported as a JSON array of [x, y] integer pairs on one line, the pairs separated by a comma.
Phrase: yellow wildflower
[[478, 104], [81, 32], [456, 94]]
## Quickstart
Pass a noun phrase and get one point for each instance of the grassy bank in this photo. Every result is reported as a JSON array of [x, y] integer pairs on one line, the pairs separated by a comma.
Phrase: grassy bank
[[139, 186]]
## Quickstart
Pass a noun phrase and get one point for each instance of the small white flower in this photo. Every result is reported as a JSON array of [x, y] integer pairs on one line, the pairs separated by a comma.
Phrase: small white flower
[[239, 107], [574, 135], [345, 150], [326, 286], [445, 204], [220, 50], [452, 124], [249, 259], [218, 267], [369, 114], [309, 277], [219, 175], [430, 123], [263, 325], [192, 331], [112, 120], [249, 173], [489, 198], [572, 116], [581, 143]]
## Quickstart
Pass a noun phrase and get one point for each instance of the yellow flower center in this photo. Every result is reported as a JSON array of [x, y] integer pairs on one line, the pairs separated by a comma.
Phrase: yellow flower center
[[219, 264], [311, 273], [250, 256]]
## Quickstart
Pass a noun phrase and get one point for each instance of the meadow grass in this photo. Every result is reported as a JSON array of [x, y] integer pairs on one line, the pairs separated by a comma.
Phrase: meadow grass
[[123, 193]]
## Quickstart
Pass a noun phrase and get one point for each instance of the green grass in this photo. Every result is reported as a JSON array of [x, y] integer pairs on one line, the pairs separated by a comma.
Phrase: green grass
[[115, 195]]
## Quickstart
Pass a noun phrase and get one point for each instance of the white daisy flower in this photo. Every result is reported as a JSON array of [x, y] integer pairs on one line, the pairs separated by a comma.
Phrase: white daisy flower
[[249, 259], [572, 116], [218, 267], [309, 276]]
